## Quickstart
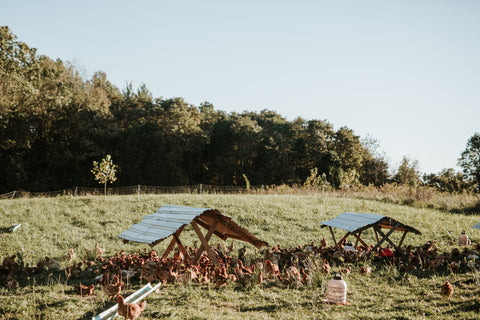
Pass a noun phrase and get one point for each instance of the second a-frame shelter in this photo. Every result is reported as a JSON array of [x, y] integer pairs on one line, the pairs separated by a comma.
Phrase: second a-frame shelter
[[170, 220], [355, 223]]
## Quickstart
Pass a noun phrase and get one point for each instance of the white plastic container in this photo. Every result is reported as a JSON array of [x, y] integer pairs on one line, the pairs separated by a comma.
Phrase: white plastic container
[[463, 239], [337, 290], [349, 247]]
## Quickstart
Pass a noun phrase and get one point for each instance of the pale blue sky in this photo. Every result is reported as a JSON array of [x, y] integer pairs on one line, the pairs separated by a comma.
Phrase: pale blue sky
[[404, 72]]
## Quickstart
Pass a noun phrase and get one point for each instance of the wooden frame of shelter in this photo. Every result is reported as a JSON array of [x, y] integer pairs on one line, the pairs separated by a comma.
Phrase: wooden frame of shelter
[[355, 223], [171, 220]]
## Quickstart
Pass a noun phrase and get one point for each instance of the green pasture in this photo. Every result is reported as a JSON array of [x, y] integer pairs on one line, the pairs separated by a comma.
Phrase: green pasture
[[50, 226]]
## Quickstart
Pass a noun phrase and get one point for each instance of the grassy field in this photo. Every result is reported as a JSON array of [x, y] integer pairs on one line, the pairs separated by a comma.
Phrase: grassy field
[[50, 226]]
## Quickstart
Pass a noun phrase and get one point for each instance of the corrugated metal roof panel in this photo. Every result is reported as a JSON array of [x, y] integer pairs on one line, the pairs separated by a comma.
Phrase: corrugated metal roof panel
[[170, 218], [351, 221], [477, 226], [355, 222], [161, 224]]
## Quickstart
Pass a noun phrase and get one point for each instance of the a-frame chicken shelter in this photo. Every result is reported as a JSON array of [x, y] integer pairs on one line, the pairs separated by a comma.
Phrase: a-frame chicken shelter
[[355, 223], [170, 220], [477, 226]]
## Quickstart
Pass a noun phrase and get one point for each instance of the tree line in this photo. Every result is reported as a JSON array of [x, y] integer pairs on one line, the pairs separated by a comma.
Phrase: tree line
[[54, 124]]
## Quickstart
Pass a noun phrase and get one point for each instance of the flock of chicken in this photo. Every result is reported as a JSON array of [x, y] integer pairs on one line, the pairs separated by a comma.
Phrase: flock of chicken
[[284, 266]]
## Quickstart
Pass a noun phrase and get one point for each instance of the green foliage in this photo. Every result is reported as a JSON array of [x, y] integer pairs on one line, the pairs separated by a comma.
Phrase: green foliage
[[448, 180], [407, 173], [54, 123], [105, 171], [470, 160], [316, 180]]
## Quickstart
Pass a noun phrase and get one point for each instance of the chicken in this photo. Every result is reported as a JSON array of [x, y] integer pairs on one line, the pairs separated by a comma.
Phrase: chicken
[[293, 273], [9, 262], [220, 276], [34, 270], [454, 266], [130, 310], [325, 266], [70, 256], [242, 254], [260, 277], [10, 282], [305, 276], [323, 243], [345, 270], [447, 290], [85, 290], [243, 268], [271, 268], [243, 277], [52, 264], [364, 270], [113, 289], [231, 247], [99, 252]]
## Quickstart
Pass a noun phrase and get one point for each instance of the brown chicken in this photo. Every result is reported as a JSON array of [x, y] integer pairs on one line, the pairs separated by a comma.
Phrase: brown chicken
[[220, 276], [271, 268], [52, 264], [325, 266], [323, 243], [85, 290], [113, 289], [130, 310], [364, 270], [447, 290], [454, 266], [346, 270], [70, 256]]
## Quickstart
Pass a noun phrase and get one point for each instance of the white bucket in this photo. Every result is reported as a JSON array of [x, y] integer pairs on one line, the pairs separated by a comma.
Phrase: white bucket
[[337, 290]]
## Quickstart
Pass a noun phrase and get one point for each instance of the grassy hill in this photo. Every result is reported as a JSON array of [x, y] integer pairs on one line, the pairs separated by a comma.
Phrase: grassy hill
[[50, 226]]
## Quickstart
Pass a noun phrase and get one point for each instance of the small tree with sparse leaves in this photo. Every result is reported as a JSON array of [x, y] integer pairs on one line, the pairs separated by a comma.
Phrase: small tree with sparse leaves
[[105, 171]]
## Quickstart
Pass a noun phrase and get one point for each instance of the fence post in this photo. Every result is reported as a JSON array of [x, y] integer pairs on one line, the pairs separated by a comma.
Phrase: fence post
[[200, 188], [138, 192], [13, 195], [75, 194]]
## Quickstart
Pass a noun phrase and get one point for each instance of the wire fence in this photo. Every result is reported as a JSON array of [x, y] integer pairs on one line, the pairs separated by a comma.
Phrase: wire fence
[[139, 190]]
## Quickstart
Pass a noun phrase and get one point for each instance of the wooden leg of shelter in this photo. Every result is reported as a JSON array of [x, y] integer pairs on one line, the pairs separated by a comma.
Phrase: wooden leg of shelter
[[359, 239], [181, 247], [385, 237], [205, 245], [403, 238], [169, 248], [207, 238], [343, 239], [333, 235], [175, 239], [376, 234]]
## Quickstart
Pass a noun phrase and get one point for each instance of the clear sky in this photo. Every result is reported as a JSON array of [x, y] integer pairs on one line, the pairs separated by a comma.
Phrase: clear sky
[[406, 73]]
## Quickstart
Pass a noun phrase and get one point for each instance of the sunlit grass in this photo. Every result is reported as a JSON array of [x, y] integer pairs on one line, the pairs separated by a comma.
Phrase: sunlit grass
[[50, 226]]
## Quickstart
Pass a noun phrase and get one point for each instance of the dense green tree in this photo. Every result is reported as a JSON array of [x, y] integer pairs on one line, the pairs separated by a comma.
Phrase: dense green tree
[[273, 162], [469, 161], [408, 173], [54, 123], [447, 180], [374, 170]]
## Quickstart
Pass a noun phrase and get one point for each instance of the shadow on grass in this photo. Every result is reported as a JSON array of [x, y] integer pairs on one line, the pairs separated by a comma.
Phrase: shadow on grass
[[464, 306], [471, 210], [268, 308]]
